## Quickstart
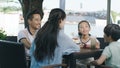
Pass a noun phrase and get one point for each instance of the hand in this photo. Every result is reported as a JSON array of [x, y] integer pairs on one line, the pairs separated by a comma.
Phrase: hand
[[94, 63]]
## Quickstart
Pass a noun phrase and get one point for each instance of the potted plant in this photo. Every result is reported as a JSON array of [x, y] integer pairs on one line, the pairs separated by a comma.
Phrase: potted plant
[[2, 34]]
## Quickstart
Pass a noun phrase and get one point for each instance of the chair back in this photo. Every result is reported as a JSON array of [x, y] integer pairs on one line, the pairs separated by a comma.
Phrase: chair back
[[11, 38], [102, 43], [12, 55]]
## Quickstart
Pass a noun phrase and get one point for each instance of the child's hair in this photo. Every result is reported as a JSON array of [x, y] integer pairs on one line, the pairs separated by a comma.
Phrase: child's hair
[[112, 30], [79, 26]]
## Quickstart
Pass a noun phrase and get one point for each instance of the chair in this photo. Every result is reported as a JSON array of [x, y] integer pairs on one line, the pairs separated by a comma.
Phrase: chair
[[55, 66], [99, 66], [102, 43], [12, 55], [11, 38]]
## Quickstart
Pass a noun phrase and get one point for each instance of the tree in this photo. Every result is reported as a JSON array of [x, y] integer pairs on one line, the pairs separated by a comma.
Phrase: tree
[[29, 5], [114, 15]]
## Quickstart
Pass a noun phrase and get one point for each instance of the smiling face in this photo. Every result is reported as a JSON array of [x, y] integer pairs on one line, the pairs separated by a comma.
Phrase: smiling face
[[84, 28], [35, 23]]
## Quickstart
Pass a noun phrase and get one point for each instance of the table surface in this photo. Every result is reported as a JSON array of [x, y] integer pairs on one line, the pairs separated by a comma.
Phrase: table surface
[[85, 51], [83, 54]]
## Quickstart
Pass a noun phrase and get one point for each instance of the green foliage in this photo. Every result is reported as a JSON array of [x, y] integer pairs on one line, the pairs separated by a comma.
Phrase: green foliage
[[2, 34], [9, 9], [6, 0], [114, 15]]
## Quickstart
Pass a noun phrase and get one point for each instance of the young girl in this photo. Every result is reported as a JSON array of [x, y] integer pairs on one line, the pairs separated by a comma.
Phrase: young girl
[[111, 53], [51, 43], [86, 40]]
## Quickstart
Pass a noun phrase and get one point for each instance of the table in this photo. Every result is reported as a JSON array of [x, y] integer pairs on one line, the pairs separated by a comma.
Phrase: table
[[70, 60]]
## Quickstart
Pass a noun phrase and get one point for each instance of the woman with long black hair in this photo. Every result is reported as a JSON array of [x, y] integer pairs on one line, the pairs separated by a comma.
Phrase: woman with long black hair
[[51, 43]]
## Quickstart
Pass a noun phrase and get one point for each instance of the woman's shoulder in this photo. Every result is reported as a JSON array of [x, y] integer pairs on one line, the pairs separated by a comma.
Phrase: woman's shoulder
[[94, 39], [61, 34]]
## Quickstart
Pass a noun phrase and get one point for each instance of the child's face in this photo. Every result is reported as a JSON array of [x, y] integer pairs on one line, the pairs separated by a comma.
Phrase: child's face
[[84, 28]]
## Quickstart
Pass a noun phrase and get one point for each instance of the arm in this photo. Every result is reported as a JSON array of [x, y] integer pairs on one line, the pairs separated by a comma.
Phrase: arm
[[106, 54], [99, 62], [26, 43], [67, 44], [97, 45], [101, 59], [95, 41], [23, 38]]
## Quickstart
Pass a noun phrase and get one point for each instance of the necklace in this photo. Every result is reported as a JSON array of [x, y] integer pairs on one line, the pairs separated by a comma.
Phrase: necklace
[[84, 43]]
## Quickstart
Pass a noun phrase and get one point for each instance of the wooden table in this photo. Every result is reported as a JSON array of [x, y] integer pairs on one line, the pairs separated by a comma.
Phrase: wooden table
[[70, 60]]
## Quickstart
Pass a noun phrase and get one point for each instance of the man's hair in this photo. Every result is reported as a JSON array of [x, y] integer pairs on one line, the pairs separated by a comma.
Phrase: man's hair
[[31, 13], [112, 30]]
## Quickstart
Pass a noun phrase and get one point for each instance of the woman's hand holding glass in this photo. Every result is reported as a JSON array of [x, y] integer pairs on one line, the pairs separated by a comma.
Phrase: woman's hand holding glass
[[75, 38]]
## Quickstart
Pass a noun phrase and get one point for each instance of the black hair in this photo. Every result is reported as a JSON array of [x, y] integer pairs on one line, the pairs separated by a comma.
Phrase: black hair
[[46, 37], [29, 16], [112, 30], [79, 26]]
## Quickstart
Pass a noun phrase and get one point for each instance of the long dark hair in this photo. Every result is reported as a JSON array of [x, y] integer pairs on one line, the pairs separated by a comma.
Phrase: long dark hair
[[79, 27], [46, 37], [112, 30]]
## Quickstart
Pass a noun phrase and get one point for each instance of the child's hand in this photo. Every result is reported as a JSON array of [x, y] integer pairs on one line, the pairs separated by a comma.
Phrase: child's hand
[[94, 63]]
